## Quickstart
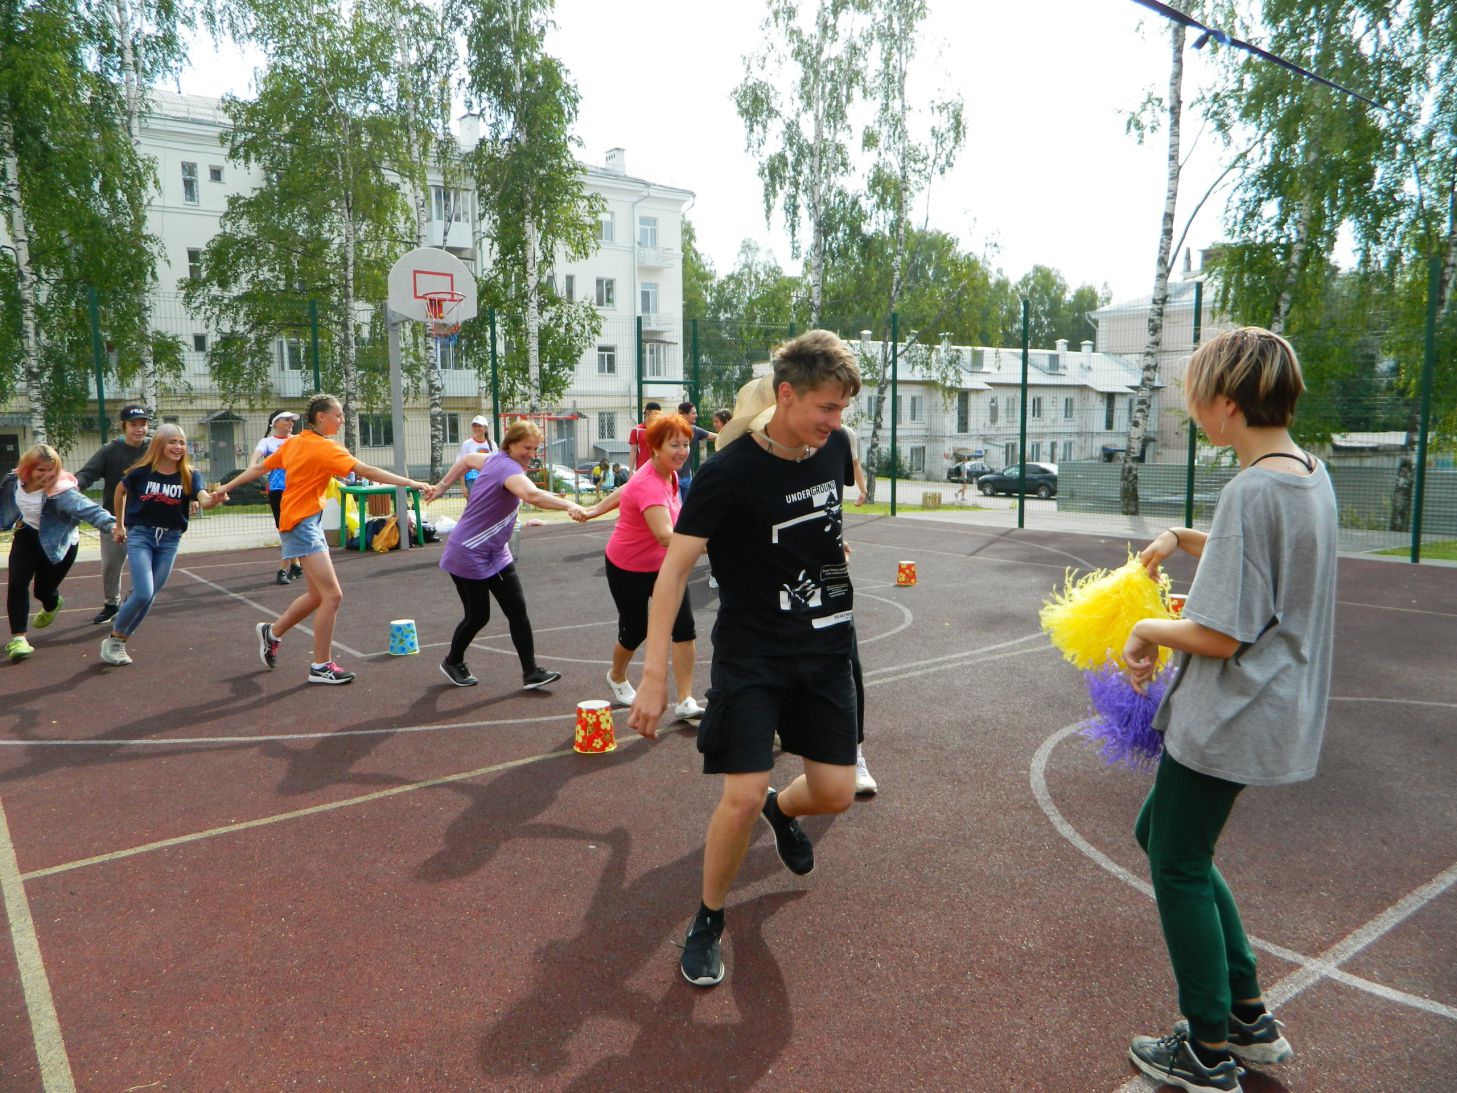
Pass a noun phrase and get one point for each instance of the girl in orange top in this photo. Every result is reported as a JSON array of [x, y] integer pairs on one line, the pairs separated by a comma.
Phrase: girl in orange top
[[310, 459]]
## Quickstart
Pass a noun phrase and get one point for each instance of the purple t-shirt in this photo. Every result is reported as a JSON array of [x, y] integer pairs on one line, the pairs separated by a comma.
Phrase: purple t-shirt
[[480, 545]]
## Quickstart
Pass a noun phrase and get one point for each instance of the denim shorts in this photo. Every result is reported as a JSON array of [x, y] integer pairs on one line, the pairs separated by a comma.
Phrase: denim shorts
[[304, 538]]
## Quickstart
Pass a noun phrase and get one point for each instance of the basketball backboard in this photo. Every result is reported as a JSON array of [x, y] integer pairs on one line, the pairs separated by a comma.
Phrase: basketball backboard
[[418, 274]]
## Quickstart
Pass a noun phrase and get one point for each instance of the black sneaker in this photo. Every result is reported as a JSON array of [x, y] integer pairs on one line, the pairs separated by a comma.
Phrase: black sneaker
[[295, 571], [792, 844], [458, 674], [1171, 1060], [702, 963], [106, 614], [282, 577], [267, 645], [1260, 1042], [539, 678], [330, 673]]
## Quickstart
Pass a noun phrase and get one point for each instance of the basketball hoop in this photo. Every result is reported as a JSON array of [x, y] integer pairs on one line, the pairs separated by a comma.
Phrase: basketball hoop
[[440, 308]]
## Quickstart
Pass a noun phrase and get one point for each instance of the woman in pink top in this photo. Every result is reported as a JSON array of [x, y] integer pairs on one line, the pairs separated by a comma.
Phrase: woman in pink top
[[649, 506]]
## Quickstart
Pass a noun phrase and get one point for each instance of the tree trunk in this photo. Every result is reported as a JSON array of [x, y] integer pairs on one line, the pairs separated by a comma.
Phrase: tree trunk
[[1142, 397], [34, 381], [346, 317], [533, 317], [132, 93], [1293, 263]]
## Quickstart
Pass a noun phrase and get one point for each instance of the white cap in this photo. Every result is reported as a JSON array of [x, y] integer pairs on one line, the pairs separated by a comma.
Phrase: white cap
[[480, 419]]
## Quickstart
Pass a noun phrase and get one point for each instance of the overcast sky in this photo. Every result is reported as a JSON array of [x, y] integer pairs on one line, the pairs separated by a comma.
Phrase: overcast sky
[[1047, 174]]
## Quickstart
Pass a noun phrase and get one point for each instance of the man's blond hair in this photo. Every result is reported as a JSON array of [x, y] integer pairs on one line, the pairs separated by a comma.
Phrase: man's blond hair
[[1255, 368]]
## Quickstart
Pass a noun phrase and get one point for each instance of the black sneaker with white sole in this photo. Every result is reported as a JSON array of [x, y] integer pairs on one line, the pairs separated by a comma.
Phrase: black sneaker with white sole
[[1171, 1060], [330, 673], [458, 674], [791, 844], [1261, 1041], [106, 614], [702, 963], [541, 677], [267, 645]]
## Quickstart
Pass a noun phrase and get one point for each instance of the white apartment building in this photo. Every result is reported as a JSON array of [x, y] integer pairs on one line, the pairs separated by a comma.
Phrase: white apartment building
[[636, 271], [1077, 408]]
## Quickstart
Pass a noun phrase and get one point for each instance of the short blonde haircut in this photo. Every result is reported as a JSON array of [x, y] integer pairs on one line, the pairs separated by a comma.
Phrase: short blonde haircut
[[1253, 367], [817, 358], [39, 453]]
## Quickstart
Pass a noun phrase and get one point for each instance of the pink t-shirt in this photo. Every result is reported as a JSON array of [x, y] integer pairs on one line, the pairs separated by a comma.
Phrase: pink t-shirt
[[633, 545]]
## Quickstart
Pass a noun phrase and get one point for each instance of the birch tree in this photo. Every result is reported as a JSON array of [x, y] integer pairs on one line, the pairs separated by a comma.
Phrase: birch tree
[[801, 134], [69, 183], [533, 202], [911, 147]]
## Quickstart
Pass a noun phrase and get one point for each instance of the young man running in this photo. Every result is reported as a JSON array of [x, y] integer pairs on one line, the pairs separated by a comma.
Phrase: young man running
[[768, 510]]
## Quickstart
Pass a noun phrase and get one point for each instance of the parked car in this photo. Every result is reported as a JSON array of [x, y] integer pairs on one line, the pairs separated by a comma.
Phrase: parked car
[[974, 471], [564, 479], [1041, 480]]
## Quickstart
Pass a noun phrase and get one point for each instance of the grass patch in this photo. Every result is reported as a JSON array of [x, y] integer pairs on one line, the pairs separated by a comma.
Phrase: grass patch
[[1443, 550]]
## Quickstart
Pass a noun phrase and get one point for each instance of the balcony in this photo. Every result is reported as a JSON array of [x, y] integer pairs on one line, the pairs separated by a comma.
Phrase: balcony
[[460, 236], [657, 257], [656, 322]]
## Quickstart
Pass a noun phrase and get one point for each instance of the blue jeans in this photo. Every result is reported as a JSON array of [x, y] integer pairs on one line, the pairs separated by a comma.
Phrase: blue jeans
[[150, 553]]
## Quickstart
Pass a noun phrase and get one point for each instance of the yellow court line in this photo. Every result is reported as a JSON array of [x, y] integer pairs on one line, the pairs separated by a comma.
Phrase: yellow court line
[[45, 1028]]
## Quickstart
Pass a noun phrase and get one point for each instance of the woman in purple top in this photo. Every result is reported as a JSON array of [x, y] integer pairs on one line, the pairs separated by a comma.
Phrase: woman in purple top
[[478, 552]]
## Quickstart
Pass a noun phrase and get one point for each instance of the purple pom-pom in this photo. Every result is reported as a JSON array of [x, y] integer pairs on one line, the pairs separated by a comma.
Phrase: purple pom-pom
[[1122, 721]]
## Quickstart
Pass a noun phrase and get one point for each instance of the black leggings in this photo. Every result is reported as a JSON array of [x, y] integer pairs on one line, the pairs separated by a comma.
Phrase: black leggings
[[28, 562], [475, 597], [631, 591]]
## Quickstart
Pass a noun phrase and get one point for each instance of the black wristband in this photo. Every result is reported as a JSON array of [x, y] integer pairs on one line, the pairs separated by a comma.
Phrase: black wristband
[[1177, 541]]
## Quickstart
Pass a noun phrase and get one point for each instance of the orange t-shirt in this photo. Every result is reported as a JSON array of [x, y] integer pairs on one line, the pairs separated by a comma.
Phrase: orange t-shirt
[[308, 461]]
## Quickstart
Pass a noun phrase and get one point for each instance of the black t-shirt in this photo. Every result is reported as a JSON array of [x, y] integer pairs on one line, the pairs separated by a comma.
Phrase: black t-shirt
[[158, 500], [774, 537]]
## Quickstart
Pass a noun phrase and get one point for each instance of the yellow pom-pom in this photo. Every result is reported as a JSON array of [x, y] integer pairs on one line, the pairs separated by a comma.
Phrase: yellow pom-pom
[[1091, 618]]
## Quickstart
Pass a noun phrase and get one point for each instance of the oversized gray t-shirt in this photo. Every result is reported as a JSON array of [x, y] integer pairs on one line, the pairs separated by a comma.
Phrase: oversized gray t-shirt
[[1267, 577]]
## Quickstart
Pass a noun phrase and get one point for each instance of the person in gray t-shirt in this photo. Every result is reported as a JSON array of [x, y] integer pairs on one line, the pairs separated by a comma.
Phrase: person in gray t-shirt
[[1248, 703]]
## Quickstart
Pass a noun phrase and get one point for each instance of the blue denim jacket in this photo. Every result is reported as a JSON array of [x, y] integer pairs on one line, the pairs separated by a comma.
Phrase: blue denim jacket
[[58, 517]]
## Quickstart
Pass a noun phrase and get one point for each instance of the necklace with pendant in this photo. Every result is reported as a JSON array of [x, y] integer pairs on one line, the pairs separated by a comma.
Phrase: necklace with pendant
[[769, 440]]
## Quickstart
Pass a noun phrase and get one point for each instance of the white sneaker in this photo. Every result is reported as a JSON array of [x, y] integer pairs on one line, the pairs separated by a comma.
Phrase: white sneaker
[[622, 693], [113, 651], [864, 784], [688, 710]]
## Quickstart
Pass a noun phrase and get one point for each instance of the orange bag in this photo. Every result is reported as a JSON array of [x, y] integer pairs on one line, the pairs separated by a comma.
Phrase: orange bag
[[387, 537]]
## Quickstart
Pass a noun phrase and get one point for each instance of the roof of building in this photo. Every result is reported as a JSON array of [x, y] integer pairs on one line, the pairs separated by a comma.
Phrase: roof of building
[[1181, 294], [1102, 372]]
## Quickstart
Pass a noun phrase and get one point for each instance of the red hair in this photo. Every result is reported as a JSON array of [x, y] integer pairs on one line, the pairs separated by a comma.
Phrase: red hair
[[664, 427]]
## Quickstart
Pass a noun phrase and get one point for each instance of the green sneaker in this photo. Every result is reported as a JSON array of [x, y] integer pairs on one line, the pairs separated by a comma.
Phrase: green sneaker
[[44, 618], [18, 649]]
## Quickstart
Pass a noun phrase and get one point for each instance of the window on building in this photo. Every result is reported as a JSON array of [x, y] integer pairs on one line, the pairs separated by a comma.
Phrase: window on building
[[918, 408], [569, 286], [189, 183], [199, 342], [1011, 408], [1108, 406], [607, 425], [918, 458], [1067, 408], [606, 292], [214, 173], [963, 411], [1067, 449], [655, 359], [992, 410], [1009, 456], [291, 354], [1034, 451], [445, 355], [1036, 410], [376, 430], [647, 231], [194, 263], [447, 204], [607, 227], [649, 297], [452, 429], [607, 360]]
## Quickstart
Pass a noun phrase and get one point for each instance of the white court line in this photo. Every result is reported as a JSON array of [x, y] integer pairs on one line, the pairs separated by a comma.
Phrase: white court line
[[1395, 701], [1406, 610], [957, 656], [271, 612], [1309, 970], [45, 1029]]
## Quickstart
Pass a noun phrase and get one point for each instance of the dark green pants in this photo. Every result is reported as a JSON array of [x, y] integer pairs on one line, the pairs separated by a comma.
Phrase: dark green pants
[[1178, 827]]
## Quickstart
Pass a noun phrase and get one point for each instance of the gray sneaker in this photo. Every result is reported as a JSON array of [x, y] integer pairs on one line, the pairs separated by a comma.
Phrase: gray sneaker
[[113, 651], [1260, 1042], [1171, 1060]]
